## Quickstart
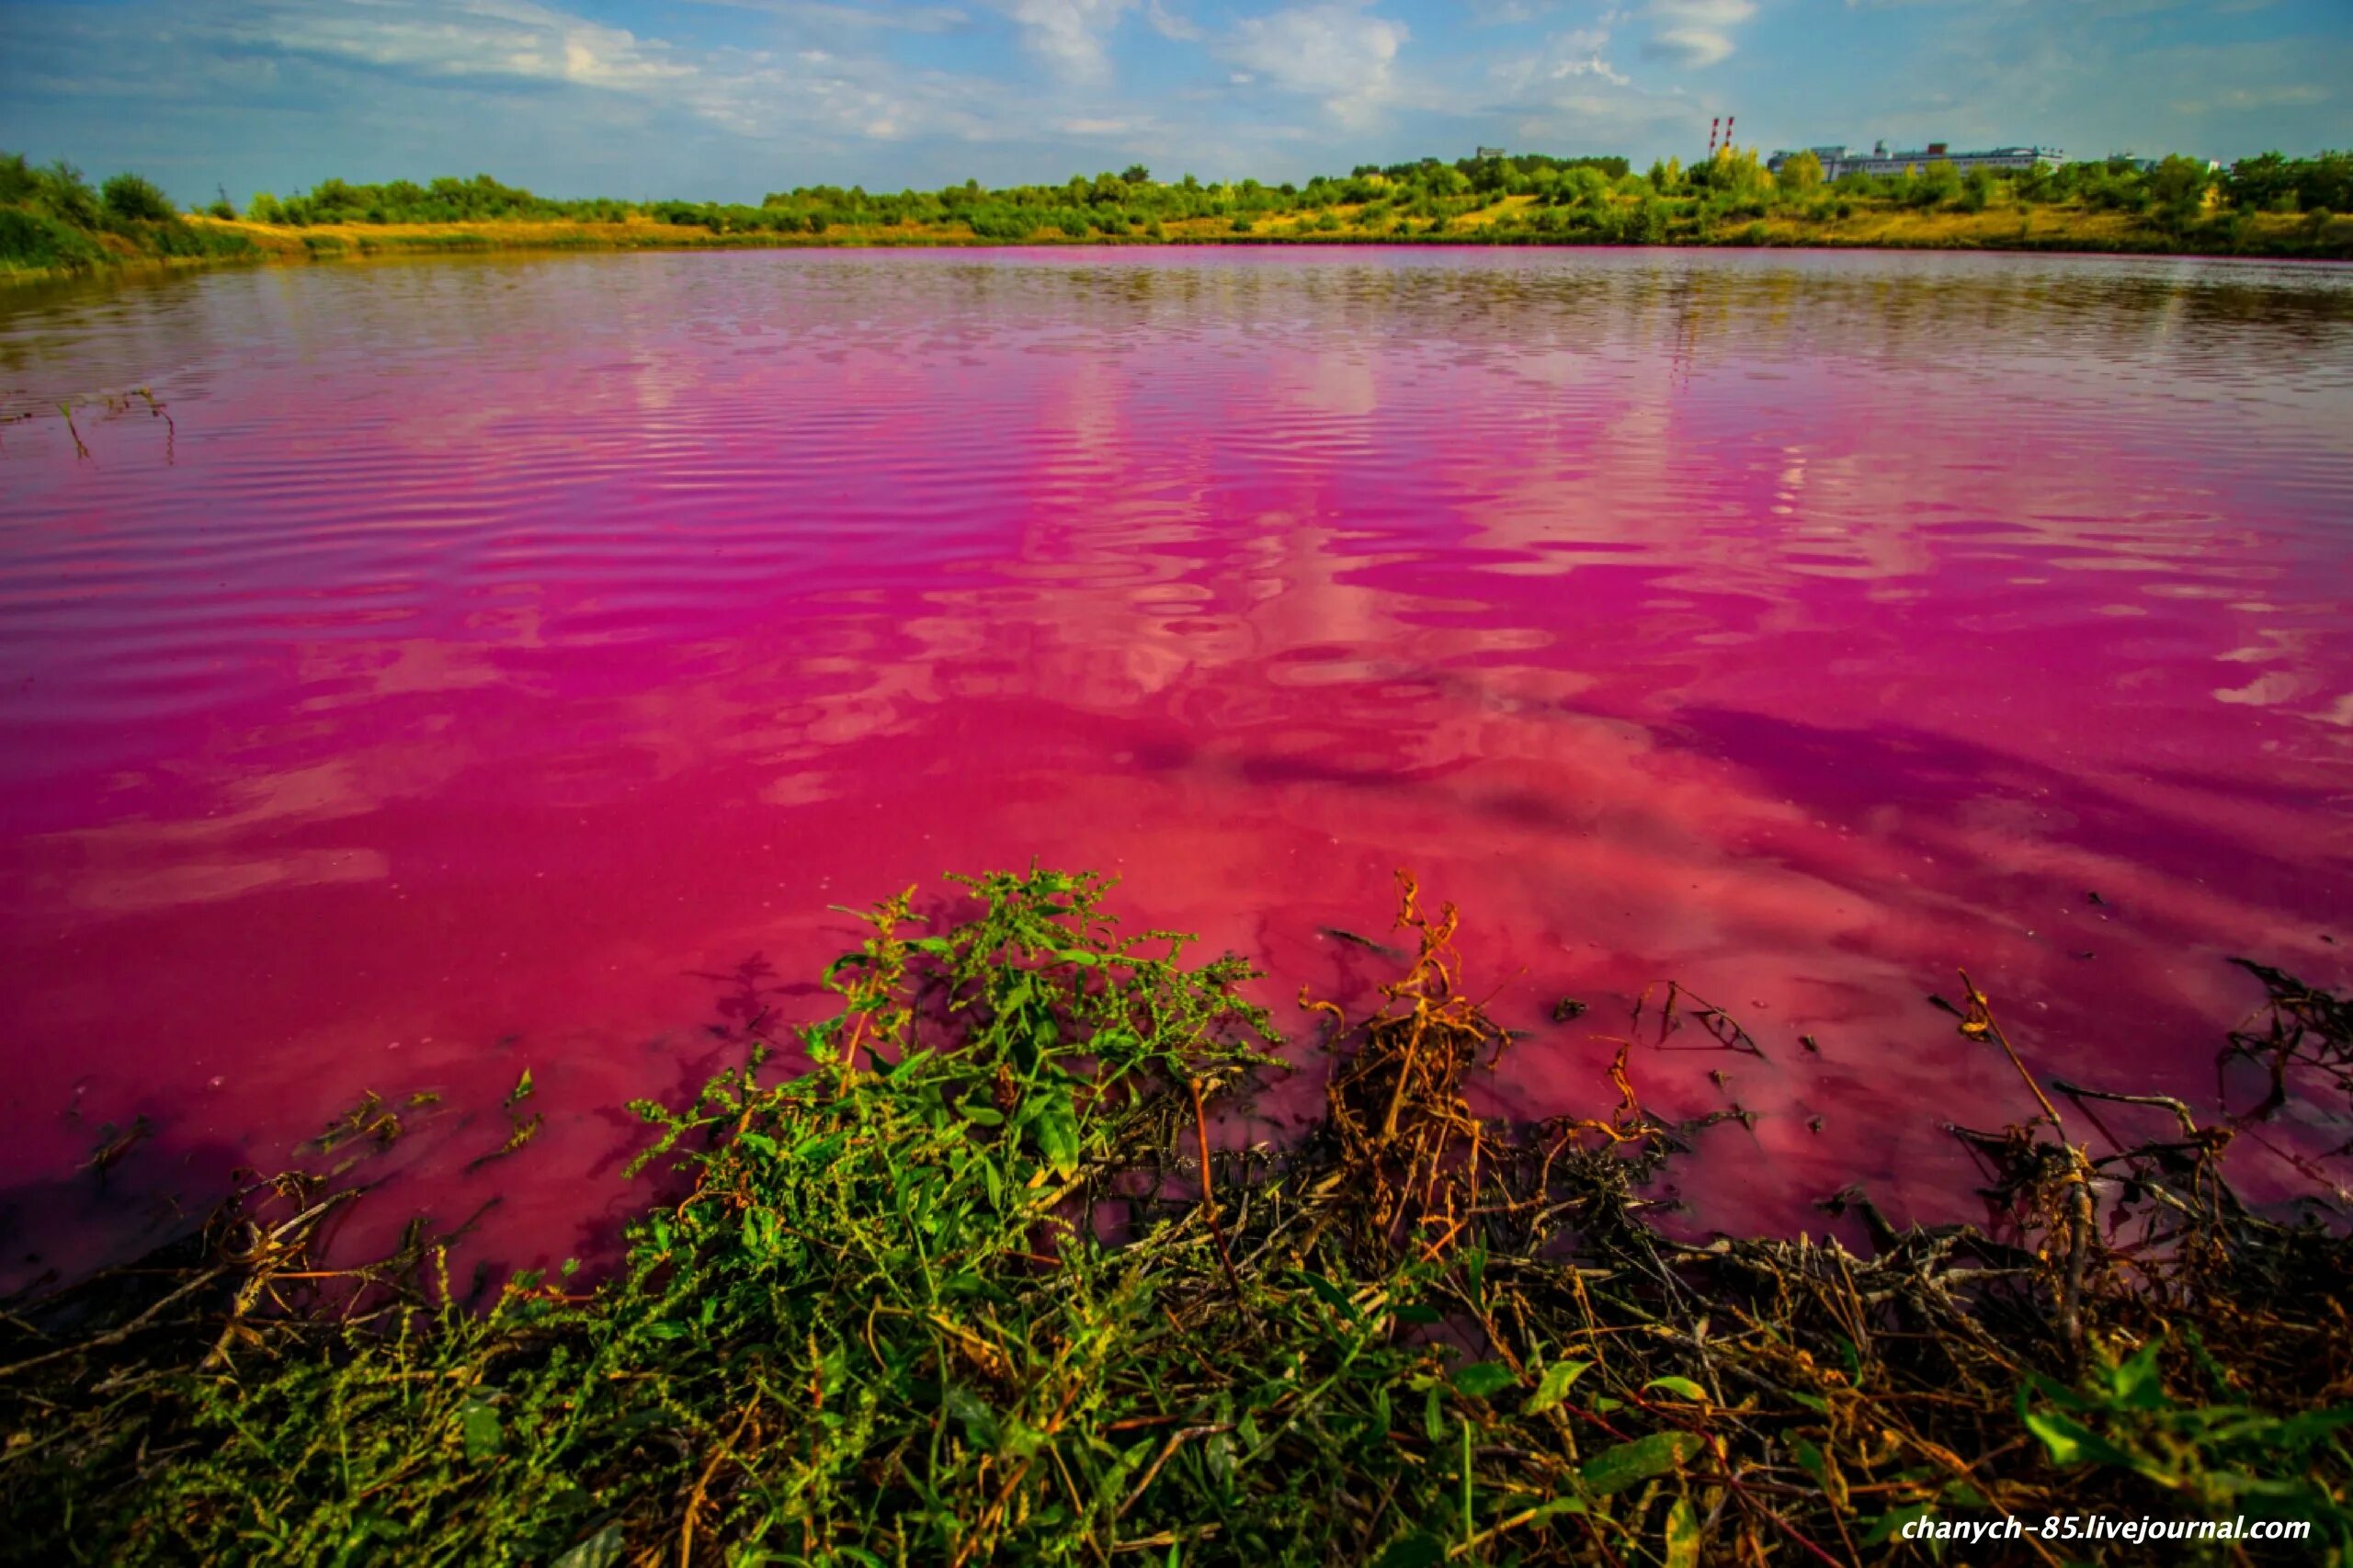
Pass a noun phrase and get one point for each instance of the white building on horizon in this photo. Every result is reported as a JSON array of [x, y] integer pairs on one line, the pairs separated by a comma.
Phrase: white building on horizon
[[1842, 160]]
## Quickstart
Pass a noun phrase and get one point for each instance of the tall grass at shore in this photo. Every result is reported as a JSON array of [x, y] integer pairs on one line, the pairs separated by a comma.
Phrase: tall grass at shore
[[961, 1275]]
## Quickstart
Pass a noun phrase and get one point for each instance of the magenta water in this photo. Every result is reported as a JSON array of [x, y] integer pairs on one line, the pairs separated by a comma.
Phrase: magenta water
[[492, 658]]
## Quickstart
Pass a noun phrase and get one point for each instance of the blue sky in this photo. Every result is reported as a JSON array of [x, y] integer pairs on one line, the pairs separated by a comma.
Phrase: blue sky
[[728, 98]]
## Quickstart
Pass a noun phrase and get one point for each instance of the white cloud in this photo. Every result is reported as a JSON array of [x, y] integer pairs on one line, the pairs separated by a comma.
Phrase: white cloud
[[1532, 76], [834, 92], [1572, 54], [1168, 24], [2243, 100], [1509, 13], [1337, 51], [474, 38], [1689, 46], [1696, 33], [828, 93], [862, 16], [1592, 65], [1070, 35]]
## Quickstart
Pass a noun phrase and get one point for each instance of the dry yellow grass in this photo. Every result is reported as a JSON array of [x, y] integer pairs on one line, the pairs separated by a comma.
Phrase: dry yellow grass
[[2004, 226]]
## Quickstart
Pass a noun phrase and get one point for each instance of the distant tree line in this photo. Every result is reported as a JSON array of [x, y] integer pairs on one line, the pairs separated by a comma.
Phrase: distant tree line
[[52, 217], [479, 199], [1579, 198]]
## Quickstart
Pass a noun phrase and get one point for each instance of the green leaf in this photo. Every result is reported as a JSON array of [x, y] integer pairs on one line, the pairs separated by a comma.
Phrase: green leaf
[[1682, 1535], [2139, 1384], [1629, 1464], [2072, 1442], [979, 1421], [1419, 1550], [981, 1115], [478, 1425], [1056, 1125], [1331, 1295], [1554, 1386], [1481, 1378], [1433, 1417], [1682, 1386], [1813, 1401], [1218, 1451], [2299, 1431], [604, 1550], [1892, 1521], [2057, 1394]]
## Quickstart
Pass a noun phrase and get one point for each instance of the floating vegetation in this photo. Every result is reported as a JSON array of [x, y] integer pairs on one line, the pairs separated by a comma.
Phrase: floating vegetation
[[115, 1142], [2297, 1029], [114, 405], [974, 1283], [66, 411], [520, 1128]]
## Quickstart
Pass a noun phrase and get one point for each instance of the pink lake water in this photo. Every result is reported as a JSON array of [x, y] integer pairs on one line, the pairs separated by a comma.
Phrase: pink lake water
[[493, 656]]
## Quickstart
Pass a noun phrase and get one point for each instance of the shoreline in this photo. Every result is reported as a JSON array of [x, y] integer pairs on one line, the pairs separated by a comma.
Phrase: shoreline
[[279, 245], [963, 1275]]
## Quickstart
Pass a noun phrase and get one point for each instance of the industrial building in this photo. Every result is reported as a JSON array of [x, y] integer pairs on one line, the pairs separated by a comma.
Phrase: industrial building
[[1841, 159]]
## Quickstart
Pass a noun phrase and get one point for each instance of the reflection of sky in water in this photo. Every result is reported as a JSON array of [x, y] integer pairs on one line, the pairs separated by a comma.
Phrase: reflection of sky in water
[[514, 644]]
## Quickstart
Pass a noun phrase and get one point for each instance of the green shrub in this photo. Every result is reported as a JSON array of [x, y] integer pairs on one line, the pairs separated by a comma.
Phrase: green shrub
[[19, 181], [139, 198], [67, 195], [34, 241]]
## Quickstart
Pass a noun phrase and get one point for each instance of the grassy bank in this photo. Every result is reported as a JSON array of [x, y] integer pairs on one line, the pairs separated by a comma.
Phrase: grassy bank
[[970, 1283], [52, 221], [1510, 221]]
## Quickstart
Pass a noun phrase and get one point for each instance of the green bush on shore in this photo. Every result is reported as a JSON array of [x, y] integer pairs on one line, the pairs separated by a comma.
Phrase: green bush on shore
[[36, 242], [53, 221]]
